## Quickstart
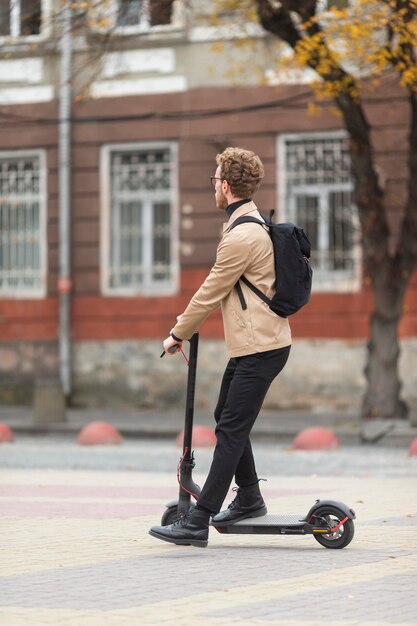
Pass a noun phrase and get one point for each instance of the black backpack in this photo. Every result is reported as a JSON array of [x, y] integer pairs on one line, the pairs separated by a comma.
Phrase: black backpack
[[294, 274]]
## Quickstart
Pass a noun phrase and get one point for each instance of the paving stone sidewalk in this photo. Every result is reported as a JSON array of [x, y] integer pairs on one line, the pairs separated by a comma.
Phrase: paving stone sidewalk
[[76, 552]]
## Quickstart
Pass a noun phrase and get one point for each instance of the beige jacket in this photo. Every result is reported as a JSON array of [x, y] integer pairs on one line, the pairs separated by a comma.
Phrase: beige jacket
[[247, 249]]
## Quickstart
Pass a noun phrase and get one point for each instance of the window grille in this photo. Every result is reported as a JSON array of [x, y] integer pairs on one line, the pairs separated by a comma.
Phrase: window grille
[[141, 225], [316, 193], [20, 18], [22, 225]]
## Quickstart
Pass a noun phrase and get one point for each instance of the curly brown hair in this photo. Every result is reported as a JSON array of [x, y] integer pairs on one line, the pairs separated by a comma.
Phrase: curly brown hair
[[242, 169]]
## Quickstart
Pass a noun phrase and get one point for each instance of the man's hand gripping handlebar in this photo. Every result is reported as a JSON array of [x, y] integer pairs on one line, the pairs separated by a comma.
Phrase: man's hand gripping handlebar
[[172, 350], [171, 345]]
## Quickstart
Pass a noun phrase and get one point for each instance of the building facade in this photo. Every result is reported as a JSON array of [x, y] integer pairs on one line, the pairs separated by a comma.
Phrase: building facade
[[158, 91]]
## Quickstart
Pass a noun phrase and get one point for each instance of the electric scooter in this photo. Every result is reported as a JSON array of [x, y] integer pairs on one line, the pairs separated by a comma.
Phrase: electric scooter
[[330, 522]]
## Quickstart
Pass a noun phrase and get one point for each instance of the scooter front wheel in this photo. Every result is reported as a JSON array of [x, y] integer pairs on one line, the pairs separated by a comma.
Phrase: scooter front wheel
[[170, 515], [331, 517]]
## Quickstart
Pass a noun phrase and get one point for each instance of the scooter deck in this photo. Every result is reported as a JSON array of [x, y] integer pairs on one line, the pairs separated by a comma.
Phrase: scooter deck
[[267, 524]]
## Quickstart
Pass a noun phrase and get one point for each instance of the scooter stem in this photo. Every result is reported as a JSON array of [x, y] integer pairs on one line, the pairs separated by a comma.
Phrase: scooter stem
[[189, 406], [187, 485]]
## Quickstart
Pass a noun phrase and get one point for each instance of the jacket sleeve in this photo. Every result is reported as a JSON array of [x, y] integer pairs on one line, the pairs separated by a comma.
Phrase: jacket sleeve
[[232, 259]]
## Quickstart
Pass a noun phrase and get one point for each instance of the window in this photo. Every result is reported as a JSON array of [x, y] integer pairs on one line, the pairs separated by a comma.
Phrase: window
[[139, 227], [22, 224], [316, 193], [143, 13], [20, 18]]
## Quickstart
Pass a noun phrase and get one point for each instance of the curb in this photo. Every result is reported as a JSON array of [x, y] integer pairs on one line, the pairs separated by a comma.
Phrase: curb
[[271, 426], [345, 437]]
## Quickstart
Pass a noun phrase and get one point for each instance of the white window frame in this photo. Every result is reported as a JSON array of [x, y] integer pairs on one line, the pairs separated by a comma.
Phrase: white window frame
[[323, 281], [40, 292], [15, 36], [152, 289]]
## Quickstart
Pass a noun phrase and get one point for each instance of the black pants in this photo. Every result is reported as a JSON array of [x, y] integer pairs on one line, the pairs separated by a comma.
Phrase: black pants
[[245, 383]]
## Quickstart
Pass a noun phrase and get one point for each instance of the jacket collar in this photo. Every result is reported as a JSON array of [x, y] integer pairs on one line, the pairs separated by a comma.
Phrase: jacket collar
[[235, 205], [244, 209]]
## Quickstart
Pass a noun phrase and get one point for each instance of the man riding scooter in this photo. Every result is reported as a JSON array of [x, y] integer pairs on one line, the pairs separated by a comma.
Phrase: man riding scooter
[[258, 343]]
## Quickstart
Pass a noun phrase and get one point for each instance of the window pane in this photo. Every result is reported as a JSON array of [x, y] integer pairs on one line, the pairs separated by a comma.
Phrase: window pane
[[131, 12], [5, 18], [30, 17], [20, 207], [126, 244], [161, 241], [307, 217], [341, 231], [160, 12]]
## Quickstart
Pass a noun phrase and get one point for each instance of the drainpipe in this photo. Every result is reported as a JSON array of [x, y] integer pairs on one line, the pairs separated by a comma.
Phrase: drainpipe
[[64, 207]]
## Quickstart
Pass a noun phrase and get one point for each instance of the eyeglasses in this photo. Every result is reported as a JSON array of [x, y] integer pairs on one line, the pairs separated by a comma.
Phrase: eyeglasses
[[213, 180]]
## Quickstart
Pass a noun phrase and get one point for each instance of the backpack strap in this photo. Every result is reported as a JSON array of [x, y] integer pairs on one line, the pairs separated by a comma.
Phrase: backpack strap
[[259, 293], [241, 296], [243, 220], [247, 218]]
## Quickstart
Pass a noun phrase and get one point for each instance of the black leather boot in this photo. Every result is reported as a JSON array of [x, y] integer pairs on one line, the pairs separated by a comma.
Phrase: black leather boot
[[189, 530], [248, 503]]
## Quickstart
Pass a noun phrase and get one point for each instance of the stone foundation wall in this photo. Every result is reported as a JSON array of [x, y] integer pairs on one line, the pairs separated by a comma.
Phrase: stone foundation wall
[[22, 363], [320, 374]]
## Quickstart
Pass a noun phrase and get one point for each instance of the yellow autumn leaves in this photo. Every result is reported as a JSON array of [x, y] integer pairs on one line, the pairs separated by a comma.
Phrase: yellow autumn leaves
[[365, 39]]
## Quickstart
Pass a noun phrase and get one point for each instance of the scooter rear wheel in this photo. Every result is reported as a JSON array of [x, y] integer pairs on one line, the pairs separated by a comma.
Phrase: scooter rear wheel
[[340, 538]]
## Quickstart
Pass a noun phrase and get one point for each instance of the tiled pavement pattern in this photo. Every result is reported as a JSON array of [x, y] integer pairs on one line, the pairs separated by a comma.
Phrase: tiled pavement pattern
[[75, 551]]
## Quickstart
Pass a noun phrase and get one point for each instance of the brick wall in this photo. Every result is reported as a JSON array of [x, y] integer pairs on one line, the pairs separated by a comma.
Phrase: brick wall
[[95, 318]]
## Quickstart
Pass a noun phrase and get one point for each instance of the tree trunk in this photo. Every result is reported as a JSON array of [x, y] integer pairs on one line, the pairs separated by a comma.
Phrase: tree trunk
[[390, 279], [382, 396]]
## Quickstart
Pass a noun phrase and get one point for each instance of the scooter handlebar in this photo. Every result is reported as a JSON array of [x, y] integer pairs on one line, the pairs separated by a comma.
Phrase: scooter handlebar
[[172, 350]]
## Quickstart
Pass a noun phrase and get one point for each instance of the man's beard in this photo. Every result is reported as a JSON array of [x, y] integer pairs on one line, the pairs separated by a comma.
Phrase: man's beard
[[221, 201]]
